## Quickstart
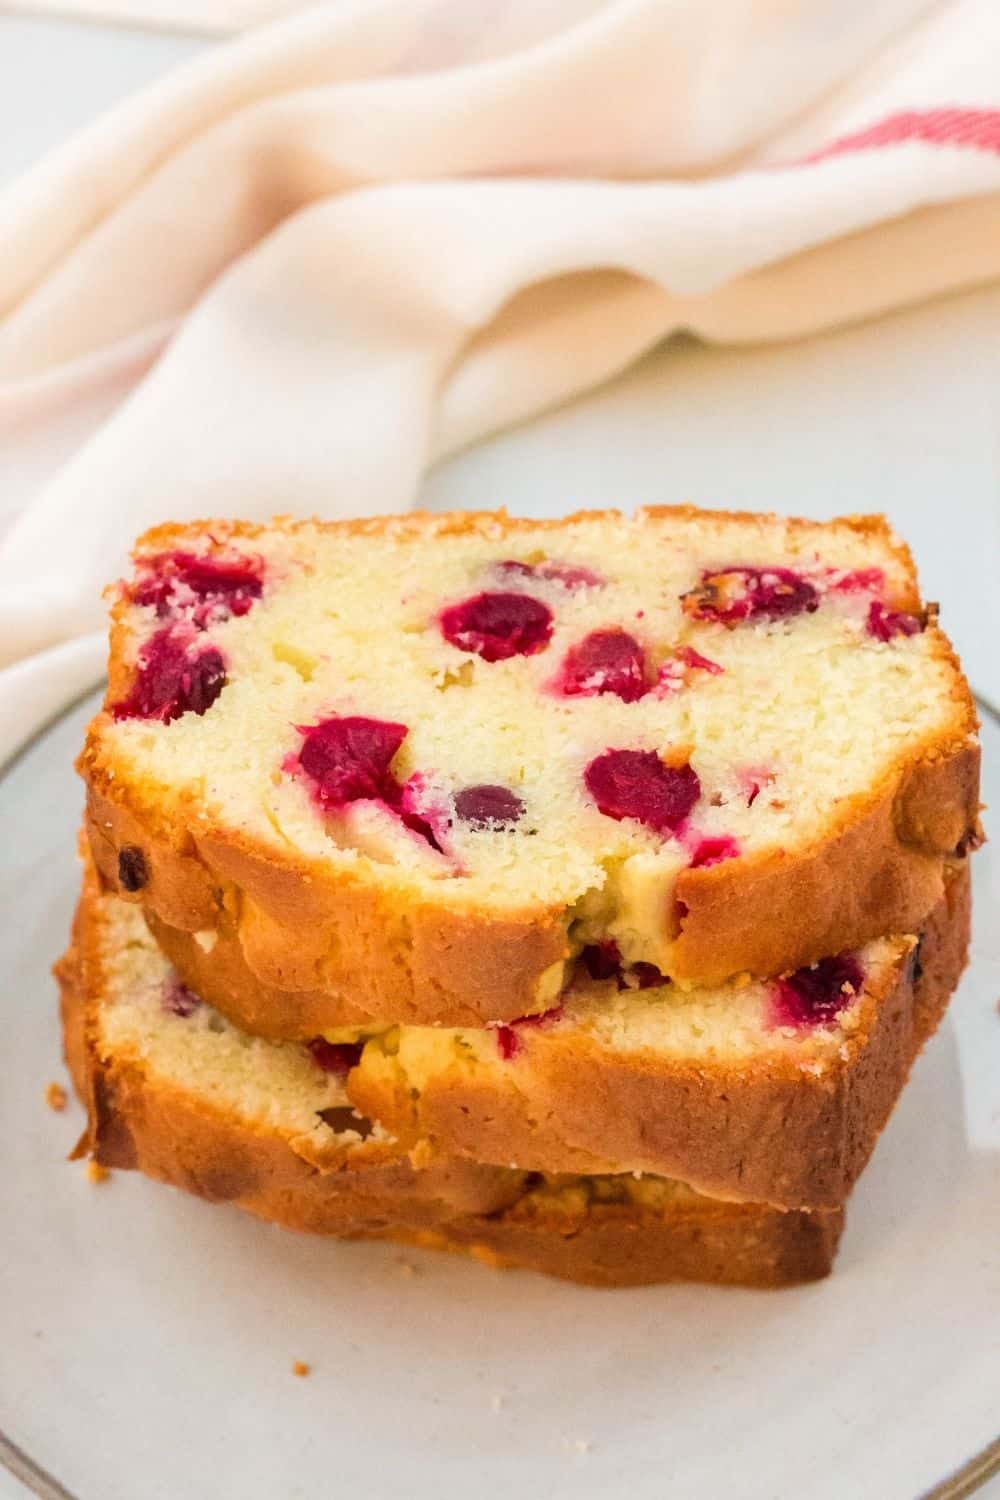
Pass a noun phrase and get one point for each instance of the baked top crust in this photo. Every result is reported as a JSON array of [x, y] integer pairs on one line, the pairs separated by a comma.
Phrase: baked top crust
[[725, 742]]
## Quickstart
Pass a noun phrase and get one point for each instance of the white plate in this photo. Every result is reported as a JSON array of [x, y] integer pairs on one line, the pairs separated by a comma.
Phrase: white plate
[[147, 1338]]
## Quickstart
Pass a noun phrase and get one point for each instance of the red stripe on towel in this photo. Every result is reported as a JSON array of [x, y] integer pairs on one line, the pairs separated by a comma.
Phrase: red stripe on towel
[[975, 129]]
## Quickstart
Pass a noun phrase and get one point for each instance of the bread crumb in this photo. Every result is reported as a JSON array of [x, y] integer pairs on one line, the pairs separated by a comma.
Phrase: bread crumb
[[55, 1096], [576, 1445], [97, 1173], [496, 1401], [407, 1268], [300, 1368]]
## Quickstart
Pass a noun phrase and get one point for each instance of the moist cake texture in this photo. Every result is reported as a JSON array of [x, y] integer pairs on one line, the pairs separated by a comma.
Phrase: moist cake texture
[[424, 762]]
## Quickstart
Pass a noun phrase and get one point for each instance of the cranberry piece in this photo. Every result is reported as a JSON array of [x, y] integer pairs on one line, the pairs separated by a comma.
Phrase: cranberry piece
[[179, 1000], [602, 960], [421, 827], [335, 1057], [694, 659], [236, 580], [729, 595], [884, 623], [509, 1043], [348, 759], [570, 575], [173, 678], [816, 995], [133, 872], [498, 626], [605, 661], [860, 580], [488, 806], [712, 851], [203, 587], [637, 784], [643, 976], [156, 584], [153, 589]]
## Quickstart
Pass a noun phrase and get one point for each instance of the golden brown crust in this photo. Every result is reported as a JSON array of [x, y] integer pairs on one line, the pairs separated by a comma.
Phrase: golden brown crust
[[134, 1120], [770, 1131], [320, 953], [326, 948], [727, 1243], [499, 523], [882, 872], [325, 952]]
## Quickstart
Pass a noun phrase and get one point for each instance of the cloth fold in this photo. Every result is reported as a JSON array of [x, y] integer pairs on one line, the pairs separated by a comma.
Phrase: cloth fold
[[213, 17], [318, 259]]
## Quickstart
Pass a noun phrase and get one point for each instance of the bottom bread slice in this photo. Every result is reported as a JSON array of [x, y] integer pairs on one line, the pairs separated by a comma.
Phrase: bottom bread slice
[[173, 1089]]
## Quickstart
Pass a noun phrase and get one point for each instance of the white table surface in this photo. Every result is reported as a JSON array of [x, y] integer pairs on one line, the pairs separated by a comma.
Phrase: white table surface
[[900, 415]]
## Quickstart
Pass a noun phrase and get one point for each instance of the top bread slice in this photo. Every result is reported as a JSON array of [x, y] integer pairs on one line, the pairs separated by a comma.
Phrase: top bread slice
[[419, 763]]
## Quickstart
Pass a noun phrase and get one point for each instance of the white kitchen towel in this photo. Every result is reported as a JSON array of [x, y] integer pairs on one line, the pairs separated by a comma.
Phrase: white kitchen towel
[[317, 259]]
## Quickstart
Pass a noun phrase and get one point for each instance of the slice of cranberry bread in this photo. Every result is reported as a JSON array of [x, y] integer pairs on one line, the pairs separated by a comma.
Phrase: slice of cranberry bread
[[420, 763], [772, 1092], [173, 1090]]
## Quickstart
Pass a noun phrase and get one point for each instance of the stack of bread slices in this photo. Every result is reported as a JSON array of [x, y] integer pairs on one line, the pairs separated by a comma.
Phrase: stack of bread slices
[[577, 894]]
